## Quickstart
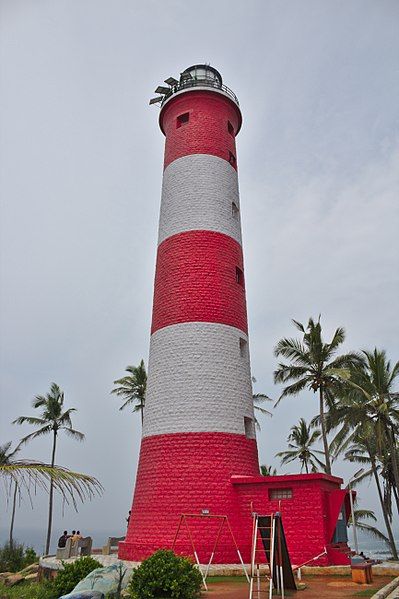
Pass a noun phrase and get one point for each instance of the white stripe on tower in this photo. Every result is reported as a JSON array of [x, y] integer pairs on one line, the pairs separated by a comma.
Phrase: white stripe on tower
[[200, 380], [200, 192]]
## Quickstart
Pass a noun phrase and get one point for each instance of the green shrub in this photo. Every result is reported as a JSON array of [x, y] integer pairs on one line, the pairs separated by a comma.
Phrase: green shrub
[[30, 557], [68, 578], [14, 557], [165, 575]]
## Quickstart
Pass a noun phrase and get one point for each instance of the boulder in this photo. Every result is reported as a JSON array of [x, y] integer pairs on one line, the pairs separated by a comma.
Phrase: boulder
[[13, 579], [104, 580]]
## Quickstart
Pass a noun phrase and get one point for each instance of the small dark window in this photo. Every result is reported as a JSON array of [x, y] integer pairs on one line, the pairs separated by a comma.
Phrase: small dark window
[[232, 159], [230, 128], [243, 347], [235, 211], [280, 494], [239, 276], [182, 119], [249, 427]]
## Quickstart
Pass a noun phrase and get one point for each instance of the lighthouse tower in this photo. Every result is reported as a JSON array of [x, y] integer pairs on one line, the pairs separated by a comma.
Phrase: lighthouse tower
[[198, 421]]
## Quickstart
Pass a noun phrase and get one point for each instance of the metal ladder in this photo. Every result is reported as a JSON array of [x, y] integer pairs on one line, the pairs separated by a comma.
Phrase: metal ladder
[[255, 583]]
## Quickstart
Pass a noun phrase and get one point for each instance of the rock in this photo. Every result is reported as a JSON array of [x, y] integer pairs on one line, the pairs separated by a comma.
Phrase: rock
[[33, 568], [104, 580], [13, 580]]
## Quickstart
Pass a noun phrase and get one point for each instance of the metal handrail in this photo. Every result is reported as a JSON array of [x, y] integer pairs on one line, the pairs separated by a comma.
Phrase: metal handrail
[[200, 83]]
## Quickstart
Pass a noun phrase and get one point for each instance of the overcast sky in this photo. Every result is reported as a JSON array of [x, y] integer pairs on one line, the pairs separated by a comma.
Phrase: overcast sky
[[81, 168]]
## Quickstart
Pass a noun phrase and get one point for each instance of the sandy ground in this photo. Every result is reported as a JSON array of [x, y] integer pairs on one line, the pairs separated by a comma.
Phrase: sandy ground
[[317, 587]]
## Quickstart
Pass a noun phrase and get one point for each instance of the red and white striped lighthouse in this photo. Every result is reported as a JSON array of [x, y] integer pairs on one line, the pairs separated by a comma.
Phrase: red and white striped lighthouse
[[198, 422]]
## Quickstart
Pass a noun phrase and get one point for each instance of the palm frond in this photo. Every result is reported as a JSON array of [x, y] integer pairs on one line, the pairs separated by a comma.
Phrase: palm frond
[[71, 485], [293, 389]]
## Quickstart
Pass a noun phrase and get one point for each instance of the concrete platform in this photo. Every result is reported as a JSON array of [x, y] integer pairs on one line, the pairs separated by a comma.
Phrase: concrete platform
[[50, 562]]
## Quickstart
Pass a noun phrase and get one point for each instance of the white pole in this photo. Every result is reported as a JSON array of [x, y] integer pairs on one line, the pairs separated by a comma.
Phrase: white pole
[[199, 568], [243, 565], [271, 560], [208, 566], [353, 519]]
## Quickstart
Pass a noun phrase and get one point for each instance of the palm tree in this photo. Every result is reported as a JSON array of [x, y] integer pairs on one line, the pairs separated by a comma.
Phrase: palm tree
[[23, 474], [268, 470], [132, 388], [260, 398], [373, 381], [360, 448], [6, 458], [360, 516], [300, 441], [53, 420], [315, 366]]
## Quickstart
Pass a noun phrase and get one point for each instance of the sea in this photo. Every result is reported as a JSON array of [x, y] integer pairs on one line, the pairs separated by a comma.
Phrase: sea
[[373, 548]]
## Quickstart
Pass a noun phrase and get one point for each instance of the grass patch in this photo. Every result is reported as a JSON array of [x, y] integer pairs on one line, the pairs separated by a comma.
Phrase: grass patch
[[26, 590], [370, 592], [226, 579]]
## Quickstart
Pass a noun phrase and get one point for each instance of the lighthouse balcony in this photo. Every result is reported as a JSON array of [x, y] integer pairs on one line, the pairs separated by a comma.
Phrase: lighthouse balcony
[[200, 76]]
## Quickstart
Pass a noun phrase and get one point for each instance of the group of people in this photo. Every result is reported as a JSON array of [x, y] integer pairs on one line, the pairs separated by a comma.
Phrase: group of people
[[75, 536]]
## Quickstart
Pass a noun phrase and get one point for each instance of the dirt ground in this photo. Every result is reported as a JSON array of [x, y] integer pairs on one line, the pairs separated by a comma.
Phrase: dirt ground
[[317, 587]]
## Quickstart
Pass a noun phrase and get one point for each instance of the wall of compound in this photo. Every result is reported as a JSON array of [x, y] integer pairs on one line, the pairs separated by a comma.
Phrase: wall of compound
[[305, 516]]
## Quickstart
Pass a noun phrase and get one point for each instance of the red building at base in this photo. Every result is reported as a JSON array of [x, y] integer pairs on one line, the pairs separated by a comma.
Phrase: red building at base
[[198, 452]]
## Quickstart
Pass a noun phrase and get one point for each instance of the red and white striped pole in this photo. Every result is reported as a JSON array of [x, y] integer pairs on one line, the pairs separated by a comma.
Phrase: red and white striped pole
[[198, 420]]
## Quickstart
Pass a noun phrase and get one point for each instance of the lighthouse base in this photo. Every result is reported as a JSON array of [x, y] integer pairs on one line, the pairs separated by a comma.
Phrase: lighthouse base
[[188, 473]]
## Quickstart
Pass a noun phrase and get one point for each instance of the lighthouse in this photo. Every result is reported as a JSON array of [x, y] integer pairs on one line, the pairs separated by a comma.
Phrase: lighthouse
[[198, 421], [198, 453]]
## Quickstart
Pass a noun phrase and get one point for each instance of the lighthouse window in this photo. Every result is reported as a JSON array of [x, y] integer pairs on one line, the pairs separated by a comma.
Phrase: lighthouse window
[[280, 494], [243, 347], [232, 159], [182, 119], [230, 128], [234, 210], [239, 276], [249, 427]]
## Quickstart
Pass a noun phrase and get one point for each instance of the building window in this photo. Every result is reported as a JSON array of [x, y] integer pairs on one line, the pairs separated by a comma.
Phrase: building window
[[239, 276], [235, 211], [230, 128], [243, 347], [280, 494], [182, 119], [232, 159], [249, 427]]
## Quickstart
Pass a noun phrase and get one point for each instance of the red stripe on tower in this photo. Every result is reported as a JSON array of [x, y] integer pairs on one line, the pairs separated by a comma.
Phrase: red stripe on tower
[[205, 123], [198, 419], [199, 277]]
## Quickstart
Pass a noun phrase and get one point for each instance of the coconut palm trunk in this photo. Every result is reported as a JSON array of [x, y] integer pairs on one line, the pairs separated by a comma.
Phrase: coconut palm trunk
[[384, 512], [51, 496], [394, 458], [14, 505], [324, 433]]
